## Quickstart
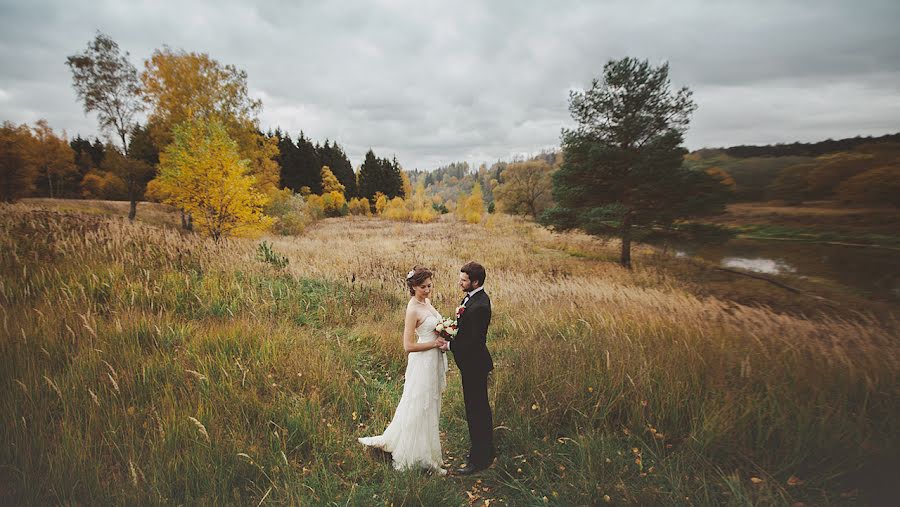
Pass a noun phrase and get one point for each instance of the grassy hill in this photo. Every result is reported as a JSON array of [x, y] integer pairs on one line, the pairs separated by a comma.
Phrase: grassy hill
[[142, 365]]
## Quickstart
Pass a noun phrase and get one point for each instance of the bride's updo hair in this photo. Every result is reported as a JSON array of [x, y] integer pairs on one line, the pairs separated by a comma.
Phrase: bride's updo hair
[[417, 277]]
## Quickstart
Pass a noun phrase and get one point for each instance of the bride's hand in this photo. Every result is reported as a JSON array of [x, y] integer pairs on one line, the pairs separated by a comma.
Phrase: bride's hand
[[440, 343]]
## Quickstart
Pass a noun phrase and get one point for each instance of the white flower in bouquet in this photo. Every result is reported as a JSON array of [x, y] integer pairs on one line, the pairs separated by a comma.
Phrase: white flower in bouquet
[[446, 328]]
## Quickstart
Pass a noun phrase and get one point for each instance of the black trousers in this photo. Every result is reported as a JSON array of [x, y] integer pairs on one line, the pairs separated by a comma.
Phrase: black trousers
[[479, 418]]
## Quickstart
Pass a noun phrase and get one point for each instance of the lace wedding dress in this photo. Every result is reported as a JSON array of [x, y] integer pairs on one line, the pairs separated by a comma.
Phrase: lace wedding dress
[[412, 436]]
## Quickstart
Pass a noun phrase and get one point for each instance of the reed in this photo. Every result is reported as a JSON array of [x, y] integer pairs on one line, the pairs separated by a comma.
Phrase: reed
[[143, 365]]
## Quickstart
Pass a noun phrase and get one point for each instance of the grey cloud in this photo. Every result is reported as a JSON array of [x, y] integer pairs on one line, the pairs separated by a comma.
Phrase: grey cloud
[[434, 83]]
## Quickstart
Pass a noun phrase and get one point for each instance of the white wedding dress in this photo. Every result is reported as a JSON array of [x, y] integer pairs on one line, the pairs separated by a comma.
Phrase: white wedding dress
[[412, 436]]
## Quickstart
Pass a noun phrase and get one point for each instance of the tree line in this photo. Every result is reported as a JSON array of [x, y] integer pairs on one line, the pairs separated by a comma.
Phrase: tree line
[[807, 149], [192, 103]]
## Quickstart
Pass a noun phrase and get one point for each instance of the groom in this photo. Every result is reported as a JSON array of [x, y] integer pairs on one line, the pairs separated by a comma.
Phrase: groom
[[474, 361]]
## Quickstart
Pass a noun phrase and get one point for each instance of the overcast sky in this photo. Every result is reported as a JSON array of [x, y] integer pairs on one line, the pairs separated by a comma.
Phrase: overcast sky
[[437, 82]]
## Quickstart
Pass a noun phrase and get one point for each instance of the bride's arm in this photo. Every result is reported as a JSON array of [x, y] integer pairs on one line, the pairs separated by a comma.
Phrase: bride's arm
[[409, 334]]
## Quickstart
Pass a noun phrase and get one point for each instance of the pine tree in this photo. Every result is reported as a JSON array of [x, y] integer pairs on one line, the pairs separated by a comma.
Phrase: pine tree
[[308, 166], [342, 168], [288, 162], [622, 165], [370, 177]]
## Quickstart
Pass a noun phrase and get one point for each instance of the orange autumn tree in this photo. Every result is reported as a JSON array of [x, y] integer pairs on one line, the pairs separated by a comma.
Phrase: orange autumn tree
[[54, 159], [202, 173], [17, 169]]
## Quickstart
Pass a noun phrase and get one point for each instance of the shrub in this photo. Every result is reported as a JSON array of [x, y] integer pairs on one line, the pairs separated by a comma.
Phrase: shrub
[[360, 207]]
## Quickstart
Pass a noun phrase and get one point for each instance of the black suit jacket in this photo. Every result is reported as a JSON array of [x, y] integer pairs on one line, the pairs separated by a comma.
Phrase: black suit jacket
[[470, 345]]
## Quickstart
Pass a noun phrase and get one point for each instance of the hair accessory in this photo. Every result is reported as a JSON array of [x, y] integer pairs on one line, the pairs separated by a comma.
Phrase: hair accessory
[[410, 274]]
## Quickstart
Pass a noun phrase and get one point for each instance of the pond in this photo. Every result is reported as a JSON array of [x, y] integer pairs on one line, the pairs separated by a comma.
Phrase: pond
[[875, 272]]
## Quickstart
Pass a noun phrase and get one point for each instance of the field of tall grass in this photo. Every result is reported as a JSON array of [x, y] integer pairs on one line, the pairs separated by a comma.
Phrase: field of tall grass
[[141, 365]]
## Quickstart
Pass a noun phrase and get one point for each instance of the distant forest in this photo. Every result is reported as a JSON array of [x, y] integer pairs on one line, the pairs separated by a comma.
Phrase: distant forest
[[807, 149], [859, 171]]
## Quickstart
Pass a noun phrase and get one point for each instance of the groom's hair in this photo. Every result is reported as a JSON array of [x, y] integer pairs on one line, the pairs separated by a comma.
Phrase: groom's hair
[[475, 272]]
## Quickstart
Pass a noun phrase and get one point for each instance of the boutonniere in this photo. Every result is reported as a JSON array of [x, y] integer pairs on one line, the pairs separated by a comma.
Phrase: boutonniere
[[459, 311]]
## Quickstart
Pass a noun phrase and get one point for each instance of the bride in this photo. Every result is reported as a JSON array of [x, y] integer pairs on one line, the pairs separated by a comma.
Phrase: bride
[[412, 436]]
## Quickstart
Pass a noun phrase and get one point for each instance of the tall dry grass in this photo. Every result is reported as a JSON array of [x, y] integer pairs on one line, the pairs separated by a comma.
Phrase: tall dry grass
[[141, 365]]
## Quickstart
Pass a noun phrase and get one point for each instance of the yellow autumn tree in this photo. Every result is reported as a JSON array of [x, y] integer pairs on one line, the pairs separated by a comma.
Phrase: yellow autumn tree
[[421, 209], [406, 185], [526, 188], [333, 201], [381, 202], [471, 207], [180, 86], [360, 207], [335, 204], [396, 210], [315, 204], [201, 172], [330, 183]]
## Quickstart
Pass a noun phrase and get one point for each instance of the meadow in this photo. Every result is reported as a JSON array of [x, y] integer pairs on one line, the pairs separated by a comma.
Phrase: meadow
[[144, 365]]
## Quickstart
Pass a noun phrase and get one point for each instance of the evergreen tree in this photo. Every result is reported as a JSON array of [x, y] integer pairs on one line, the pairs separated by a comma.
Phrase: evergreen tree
[[141, 147], [342, 168], [82, 150], [97, 152], [622, 166], [288, 162], [391, 178], [308, 166], [370, 177]]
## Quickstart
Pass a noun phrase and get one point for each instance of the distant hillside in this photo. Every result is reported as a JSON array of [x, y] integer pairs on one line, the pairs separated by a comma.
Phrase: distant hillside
[[807, 170], [457, 178], [807, 149]]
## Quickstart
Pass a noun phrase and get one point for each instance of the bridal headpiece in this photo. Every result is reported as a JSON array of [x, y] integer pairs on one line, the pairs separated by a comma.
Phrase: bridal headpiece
[[410, 274]]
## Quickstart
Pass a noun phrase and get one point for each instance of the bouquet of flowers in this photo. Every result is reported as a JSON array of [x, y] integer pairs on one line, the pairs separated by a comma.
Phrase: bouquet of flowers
[[447, 329]]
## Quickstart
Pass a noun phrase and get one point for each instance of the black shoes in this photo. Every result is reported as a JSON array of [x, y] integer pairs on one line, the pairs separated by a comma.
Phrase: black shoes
[[472, 468]]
